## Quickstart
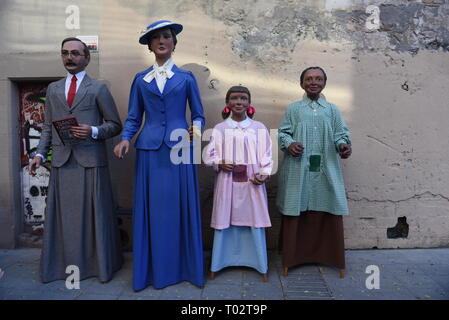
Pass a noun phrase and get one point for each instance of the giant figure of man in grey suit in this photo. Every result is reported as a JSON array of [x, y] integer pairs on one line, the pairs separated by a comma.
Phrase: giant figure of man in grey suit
[[80, 225]]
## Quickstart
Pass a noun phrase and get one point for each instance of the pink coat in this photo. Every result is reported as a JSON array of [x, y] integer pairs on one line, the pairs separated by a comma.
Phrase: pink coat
[[240, 203]]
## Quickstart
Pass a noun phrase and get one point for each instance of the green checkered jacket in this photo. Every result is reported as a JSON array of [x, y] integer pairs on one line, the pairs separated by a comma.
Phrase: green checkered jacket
[[319, 127]]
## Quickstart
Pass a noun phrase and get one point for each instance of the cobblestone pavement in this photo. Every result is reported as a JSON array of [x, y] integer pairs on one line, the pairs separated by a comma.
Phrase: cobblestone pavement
[[410, 274]]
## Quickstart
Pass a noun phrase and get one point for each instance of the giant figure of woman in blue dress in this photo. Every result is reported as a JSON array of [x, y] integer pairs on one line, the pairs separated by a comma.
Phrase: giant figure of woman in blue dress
[[167, 240]]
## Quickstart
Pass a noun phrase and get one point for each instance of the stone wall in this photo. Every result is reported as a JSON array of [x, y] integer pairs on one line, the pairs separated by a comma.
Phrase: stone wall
[[387, 66]]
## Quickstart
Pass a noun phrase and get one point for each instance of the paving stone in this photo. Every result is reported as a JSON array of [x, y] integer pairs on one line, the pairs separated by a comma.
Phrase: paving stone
[[434, 269], [222, 292], [419, 274], [422, 293], [137, 297], [442, 281], [114, 287], [11, 257], [398, 294], [148, 293], [263, 291], [92, 296], [307, 295], [229, 276], [23, 275], [20, 294], [181, 291], [435, 256], [252, 276]]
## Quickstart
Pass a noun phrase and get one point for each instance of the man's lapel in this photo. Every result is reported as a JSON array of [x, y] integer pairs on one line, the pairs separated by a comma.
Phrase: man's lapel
[[60, 93]]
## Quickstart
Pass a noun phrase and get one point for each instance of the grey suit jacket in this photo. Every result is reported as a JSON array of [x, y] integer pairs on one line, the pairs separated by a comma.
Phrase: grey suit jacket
[[93, 105]]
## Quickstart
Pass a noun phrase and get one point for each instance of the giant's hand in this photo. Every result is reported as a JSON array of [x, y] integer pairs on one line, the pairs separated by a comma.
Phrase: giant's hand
[[345, 150], [226, 167], [194, 133], [259, 179], [34, 164], [295, 149], [82, 131], [121, 149]]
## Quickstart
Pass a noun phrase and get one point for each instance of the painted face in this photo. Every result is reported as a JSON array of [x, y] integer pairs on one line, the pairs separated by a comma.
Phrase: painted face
[[313, 82], [73, 57], [161, 43], [238, 102]]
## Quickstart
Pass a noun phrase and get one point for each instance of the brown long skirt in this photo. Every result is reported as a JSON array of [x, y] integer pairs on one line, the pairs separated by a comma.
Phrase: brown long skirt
[[312, 237]]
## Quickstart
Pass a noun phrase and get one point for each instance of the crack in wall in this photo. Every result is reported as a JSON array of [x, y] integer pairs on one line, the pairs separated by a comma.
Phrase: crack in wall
[[416, 196], [384, 144]]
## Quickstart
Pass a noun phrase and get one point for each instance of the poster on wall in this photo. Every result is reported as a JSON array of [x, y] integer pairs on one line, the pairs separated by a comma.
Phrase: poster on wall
[[90, 41], [34, 189]]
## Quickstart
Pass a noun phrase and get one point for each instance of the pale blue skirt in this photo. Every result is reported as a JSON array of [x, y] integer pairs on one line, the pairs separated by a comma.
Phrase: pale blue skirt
[[240, 246]]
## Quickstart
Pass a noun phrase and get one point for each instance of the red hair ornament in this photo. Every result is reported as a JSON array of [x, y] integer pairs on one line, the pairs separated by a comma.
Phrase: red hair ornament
[[227, 111]]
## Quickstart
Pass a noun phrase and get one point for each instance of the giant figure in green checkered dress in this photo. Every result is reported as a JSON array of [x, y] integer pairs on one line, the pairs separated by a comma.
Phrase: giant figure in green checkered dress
[[312, 180], [311, 193]]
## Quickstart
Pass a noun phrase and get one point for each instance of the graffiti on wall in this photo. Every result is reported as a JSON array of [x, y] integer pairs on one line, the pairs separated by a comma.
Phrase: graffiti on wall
[[34, 189]]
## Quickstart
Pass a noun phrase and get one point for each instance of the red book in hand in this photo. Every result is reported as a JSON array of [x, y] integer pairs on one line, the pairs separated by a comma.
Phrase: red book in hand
[[63, 129], [239, 173]]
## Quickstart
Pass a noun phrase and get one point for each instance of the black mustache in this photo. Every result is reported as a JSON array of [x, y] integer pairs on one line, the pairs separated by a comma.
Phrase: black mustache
[[70, 64]]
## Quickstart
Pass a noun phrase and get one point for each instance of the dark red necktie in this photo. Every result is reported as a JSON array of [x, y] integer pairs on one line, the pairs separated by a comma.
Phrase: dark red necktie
[[72, 91]]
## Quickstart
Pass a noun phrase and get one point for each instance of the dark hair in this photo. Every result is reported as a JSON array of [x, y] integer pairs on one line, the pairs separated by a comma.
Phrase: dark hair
[[312, 68], [85, 49], [173, 34], [237, 89]]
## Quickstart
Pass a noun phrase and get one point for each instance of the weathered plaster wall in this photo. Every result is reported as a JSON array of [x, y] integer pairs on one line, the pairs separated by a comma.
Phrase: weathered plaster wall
[[389, 82]]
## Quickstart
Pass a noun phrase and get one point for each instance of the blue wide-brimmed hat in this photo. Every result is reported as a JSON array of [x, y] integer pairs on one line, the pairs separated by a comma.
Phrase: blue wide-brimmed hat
[[146, 33]]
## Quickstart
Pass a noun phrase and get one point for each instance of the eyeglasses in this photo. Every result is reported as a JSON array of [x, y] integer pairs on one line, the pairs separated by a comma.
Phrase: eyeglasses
[[74, 53]]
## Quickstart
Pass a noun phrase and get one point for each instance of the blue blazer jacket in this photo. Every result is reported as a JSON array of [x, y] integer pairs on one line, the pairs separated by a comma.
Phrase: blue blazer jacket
[[163, 112]]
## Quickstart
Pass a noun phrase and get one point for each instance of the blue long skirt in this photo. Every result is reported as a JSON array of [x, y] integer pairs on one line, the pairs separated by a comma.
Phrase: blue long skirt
[[167, 240], [240, 246]]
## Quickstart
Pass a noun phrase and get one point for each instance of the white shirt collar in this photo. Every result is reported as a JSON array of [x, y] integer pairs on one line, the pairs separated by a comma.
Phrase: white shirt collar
[[163, 71], [79, 76], [242, 124]]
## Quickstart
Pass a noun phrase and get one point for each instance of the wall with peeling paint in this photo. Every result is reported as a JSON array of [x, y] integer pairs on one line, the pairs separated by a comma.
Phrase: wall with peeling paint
[[389, 81]]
